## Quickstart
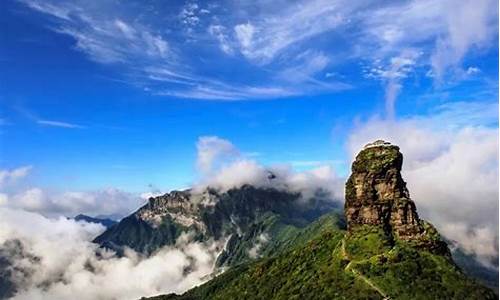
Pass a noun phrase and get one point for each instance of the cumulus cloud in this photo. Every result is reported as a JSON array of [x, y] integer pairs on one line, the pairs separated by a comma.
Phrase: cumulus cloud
[[54, 259], [236, 174], [225, 168], [212, 150], [49, 202], [11, 176], [452, 173]]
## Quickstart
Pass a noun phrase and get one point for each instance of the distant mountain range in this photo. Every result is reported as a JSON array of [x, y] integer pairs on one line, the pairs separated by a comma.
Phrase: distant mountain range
[[106, 222], [238, 219], [278, 245]]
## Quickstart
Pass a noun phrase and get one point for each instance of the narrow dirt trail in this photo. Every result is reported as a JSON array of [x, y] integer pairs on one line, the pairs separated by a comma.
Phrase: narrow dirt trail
[[358, 275]]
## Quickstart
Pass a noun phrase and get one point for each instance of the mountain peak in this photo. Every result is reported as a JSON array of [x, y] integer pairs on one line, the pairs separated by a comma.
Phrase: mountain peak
[[106, 222], [376, 195]]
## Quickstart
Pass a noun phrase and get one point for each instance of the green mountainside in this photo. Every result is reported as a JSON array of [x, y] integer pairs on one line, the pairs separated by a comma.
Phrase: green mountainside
[[249, 221], [385, 252], [330, 266], [471, 266]]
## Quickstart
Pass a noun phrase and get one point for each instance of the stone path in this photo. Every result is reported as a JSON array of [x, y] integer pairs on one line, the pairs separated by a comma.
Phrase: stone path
[[358, 275]]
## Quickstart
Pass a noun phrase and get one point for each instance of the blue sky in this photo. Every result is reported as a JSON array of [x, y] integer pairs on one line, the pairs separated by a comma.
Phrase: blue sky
[[115, 94]]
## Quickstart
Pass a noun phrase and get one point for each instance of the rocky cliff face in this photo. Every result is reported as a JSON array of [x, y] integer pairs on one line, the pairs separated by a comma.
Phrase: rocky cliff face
[[376, 194], [240, 217], [388, 252]]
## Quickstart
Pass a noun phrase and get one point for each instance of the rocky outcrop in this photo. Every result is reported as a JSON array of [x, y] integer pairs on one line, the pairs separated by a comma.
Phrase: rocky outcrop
[[210, 215], [177, 205], [376, 194]]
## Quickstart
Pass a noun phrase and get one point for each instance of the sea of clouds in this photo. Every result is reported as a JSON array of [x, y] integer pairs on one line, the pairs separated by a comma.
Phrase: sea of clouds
[[54, 258], [50, 256], [452, 175]]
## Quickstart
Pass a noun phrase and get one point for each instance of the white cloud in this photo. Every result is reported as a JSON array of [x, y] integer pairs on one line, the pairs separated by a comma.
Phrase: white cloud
[[65, 263], [56, 203], [212, 150], [189, 14], [403, 24], [4, 199], [154, 58], [236, 174], [216, 91], [304, 67], [472, 71], [451, 171], [127, 30], [470, 24], [282, 177], [262, 239], [446, 30], [399, 67], [263, 39], [481, 241], [103, 38], [244, 34], [220, 33], [224, 169], [272, 38], [13, 175], [147, 195]]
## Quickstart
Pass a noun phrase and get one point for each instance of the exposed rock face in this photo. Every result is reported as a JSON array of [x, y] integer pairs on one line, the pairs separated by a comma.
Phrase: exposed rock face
[[177, 205], [211, 215], [376, 194]]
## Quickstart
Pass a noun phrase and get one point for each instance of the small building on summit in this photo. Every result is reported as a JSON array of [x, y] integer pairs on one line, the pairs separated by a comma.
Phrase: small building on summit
[[377, 143]]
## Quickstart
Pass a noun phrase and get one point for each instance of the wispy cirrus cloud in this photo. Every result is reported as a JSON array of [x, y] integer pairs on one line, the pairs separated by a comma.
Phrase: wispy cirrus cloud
[[105, 39], [265, 50], [392, 73], [221, 33], [59, 124], [269, 34], [438, 33], [154, 57], [34, 117]]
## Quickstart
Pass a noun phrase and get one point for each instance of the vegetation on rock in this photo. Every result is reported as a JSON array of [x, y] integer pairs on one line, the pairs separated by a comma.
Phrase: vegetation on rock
[[387, 252]]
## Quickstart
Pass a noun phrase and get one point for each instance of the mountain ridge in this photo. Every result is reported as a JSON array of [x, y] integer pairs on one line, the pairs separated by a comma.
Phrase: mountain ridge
[[238, 218], [385, 252], [106, 222]]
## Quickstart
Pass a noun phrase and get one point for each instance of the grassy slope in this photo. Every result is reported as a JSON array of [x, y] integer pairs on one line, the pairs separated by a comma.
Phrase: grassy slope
[[322, 262], [313, 270], [281, 235]]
